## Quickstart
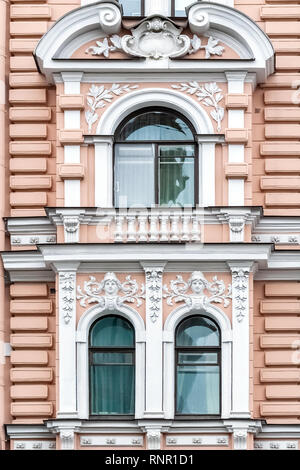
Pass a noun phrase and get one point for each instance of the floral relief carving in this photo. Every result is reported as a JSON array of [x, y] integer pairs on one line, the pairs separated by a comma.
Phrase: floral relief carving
[[211, 48], [129, 44], [209, 94], [99, 96], [105, 293], [154, 285], [178, 291], [67, 292], [240, 291]]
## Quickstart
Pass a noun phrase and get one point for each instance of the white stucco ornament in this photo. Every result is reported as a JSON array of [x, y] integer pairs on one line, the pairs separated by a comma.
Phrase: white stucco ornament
[[155, 38], [197, 283], [105, 293]]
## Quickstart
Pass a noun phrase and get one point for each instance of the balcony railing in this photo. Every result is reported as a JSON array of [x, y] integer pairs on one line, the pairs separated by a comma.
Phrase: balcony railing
[[157, 225]]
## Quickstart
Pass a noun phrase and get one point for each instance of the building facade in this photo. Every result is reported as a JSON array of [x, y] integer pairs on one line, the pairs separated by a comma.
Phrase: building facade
[[162, 315]]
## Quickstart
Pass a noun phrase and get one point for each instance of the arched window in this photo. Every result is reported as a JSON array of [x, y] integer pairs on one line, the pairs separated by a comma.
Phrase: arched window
[[198, 367], [133, 7], [112, 369], [155, 160], [178, 7]]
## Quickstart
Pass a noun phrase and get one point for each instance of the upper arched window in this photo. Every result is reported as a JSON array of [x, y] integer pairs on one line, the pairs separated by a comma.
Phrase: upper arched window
[[198, 367], [178, 7], [112, 370], [133, 7], [155, 160]]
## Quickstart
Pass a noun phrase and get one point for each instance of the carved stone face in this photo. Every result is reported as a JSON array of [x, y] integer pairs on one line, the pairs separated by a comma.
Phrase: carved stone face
[[197, 286], [111, 287]]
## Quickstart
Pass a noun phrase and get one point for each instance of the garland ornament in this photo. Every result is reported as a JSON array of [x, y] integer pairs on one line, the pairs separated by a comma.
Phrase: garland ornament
[[209, 94], [105, 293], [197, 299]]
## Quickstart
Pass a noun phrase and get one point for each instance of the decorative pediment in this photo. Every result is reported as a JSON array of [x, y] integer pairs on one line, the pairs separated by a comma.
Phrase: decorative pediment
[[211, 31], [156, 42]]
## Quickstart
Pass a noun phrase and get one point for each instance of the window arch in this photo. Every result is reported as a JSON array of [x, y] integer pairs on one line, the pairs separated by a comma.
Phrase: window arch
[[198, 367], [112, 367], [155, 160]]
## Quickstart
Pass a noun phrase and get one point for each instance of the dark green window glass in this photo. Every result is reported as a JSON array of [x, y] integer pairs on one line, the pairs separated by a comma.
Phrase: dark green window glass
[[112, 369], [198, 367]]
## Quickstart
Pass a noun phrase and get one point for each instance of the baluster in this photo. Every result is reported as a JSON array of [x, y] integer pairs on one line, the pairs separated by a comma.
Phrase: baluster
[[195, 229], [142, 233], [185, 227], [164, 231], [119, 228], [153, 228], [131, 232], [174, 227]]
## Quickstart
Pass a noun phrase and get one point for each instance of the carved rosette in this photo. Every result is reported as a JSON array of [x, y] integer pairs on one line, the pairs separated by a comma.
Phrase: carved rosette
[[240, 279], [67, 293], [154, 287], [105, 292]]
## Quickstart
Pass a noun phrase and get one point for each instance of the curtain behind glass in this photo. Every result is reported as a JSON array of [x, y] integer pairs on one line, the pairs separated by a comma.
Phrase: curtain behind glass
[[134, 175], [112, 389], [198, 390]]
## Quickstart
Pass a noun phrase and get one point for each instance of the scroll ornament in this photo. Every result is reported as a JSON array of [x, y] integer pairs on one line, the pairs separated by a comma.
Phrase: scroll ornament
[[197, 283], [105, 293], [155, 38]]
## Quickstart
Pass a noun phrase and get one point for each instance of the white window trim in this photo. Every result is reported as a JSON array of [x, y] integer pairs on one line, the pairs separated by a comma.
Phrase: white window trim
[[171, 324], [82, 340], [141, 99]]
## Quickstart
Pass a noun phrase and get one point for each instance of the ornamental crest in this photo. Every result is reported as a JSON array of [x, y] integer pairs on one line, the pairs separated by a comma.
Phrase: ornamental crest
[[105, 293], [156, 37], [197, 283]]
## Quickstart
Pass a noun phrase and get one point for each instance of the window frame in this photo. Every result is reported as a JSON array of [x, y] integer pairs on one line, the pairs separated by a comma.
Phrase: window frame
[[125, 349], [173, 11], [200, 349], [158, 143], [142, 15]]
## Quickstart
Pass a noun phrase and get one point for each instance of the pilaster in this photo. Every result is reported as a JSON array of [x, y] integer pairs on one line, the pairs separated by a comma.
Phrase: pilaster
[[67, 405], [154, 323], [240, 325]]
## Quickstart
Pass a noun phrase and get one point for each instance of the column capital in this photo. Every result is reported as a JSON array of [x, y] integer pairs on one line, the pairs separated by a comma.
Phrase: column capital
[[240, 267], [65, 266]]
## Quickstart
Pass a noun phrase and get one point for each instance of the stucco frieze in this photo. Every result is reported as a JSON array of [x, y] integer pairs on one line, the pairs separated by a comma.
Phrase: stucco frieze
[[109, 287], [178, 291]]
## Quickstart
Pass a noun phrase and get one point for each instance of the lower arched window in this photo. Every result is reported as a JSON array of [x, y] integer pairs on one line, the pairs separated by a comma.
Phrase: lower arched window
[[112, 367], [198, 366]]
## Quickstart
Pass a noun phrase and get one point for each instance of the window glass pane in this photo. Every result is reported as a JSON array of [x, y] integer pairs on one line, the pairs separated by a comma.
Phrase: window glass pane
[[197, 358], [176, 182], [131, 7], [112, 389], [180, 6], [134, 175], [198, 390], [197, 331], [112, 358], [112, 331], [155, 125]]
